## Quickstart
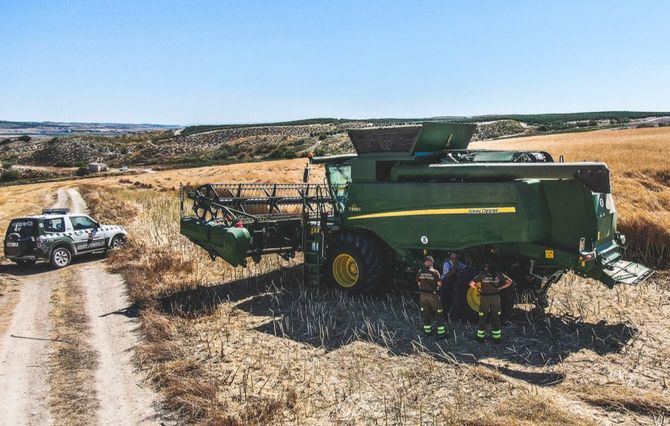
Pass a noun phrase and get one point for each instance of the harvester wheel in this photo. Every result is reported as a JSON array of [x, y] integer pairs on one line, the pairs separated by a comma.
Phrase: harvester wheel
[[356, 263], [466, 299]]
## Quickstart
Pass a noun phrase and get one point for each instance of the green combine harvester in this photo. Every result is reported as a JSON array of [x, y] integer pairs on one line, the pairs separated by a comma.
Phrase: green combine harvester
[[412, 191]]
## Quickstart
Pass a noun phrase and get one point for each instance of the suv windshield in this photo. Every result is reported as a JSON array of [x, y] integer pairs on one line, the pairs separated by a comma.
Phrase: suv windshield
[[23, 227]]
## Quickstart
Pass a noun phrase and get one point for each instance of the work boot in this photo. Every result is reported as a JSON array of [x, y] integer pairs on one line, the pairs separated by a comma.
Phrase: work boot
[[427, 330], [481, 334], [496, 335]]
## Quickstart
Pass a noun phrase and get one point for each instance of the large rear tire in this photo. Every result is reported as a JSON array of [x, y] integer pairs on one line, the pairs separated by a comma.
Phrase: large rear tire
[[356, 263], [466, 301]]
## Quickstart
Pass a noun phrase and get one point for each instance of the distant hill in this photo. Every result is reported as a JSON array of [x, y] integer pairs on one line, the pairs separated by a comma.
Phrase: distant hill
[[538, 119], [50, 128]]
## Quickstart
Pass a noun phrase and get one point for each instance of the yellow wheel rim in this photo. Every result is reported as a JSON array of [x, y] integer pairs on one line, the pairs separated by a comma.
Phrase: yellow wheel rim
[[345, 270], [473, 298]]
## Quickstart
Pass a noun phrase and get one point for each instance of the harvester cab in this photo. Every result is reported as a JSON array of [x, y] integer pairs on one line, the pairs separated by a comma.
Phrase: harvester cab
[[414, 190]]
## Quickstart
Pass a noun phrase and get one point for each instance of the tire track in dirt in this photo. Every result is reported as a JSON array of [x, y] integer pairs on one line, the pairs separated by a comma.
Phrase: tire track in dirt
[[124, 399], [73, 360], [24, 356], [121, 396]]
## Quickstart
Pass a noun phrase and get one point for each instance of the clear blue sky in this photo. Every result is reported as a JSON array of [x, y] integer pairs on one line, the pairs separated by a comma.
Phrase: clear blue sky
[[249, 61]]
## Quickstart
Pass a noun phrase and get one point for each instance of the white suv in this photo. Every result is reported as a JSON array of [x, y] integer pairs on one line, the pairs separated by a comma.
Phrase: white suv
[[57, 236]]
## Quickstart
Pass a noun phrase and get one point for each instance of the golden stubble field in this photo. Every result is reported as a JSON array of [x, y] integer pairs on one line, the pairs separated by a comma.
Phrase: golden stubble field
[[253, 346]]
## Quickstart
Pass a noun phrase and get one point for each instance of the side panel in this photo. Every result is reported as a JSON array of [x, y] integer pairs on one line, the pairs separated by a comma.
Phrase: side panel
[[449, 215], [573, 213]]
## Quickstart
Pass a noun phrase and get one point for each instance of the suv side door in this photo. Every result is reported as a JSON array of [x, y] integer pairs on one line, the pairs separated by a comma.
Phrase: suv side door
[[86, 234]]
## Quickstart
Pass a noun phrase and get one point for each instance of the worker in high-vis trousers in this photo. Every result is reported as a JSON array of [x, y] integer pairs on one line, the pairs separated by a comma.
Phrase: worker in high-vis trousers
[[490, 284], [428, 280]]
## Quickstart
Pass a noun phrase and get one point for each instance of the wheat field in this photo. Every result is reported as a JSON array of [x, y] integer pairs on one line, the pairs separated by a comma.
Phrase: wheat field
[[253, 346]]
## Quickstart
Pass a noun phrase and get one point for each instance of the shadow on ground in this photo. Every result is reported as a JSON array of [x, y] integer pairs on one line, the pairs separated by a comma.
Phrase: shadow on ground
[[332, 319], [15, 270]]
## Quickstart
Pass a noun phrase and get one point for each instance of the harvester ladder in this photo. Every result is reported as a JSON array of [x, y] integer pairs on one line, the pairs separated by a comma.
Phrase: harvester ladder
[[313, 250]]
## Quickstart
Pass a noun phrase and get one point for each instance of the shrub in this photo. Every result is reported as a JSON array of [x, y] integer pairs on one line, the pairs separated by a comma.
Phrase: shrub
[[277, 153], [7, 165], [9, 175], [25, 138], [82, 171]]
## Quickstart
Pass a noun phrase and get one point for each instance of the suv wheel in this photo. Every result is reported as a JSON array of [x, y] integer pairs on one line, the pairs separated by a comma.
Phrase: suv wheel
[[117, 242], [60, 257]]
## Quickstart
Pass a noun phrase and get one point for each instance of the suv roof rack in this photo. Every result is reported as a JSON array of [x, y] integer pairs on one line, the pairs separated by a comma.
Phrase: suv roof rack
[[56, 211]]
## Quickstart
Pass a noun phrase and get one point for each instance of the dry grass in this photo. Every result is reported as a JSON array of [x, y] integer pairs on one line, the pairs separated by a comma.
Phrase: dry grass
[[9, 297], [72, 398], [529, 407], [638, 160], [625, 398]]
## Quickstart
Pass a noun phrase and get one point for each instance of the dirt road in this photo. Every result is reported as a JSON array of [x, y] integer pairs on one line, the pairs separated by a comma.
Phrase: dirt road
[[27, 355]]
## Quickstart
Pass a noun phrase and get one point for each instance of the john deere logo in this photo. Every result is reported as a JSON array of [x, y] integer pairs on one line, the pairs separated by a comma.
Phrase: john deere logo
[[424, 239], [484, 211]]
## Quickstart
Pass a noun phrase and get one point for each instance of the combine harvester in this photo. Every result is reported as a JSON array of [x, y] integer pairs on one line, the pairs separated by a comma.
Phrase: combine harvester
[[412, 191]]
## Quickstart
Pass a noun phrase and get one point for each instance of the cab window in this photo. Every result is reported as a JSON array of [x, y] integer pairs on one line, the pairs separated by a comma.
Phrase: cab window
[[54, 225], [339, 177], [81, 222]]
